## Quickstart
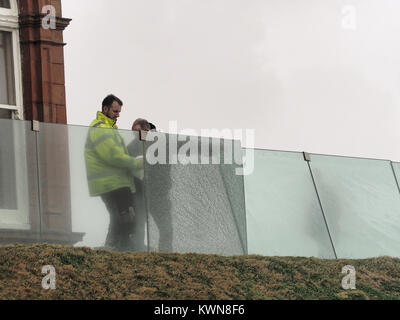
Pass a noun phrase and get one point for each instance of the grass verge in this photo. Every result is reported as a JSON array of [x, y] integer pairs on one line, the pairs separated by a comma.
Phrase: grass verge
[[85, 274]]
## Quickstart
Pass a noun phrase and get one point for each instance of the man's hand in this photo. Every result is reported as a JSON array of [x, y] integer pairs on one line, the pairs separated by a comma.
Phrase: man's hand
[[139, 174], [127, 217], [139, 163]]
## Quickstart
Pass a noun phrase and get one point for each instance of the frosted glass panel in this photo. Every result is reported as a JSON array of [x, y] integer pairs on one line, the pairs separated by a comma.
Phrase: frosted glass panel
[[362, 205], [190, 206], [89, 214], [18, 181], [234, 186], [139, 236], [283, 214], [67, 206], [8, 170]]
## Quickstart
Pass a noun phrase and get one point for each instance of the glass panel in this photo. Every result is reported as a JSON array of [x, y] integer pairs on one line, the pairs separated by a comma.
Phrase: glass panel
[[361, 203], [71, 157], [5, 4], [191, 207], [234, 186], [18, 206], [7, 82], [284, 217], [8, 186], [139, 236]]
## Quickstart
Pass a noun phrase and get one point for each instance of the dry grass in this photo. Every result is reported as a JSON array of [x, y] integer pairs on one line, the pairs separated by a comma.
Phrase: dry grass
[[94, 275]]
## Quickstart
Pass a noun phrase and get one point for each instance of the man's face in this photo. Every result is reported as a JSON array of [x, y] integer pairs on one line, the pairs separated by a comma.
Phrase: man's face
[[140, 127], [113, 112]]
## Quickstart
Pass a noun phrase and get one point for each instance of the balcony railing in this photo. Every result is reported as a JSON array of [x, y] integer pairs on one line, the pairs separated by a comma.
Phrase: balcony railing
[[194, 200]]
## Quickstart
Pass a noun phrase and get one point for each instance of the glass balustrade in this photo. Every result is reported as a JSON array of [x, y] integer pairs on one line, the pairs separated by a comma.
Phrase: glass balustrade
[[191, 195]]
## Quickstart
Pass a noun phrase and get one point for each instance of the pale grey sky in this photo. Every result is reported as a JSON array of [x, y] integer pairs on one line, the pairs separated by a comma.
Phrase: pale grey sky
[[307, 75]]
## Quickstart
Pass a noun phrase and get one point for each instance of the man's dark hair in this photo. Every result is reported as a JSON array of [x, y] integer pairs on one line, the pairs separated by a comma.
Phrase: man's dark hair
[[143, 123], [109, 100]]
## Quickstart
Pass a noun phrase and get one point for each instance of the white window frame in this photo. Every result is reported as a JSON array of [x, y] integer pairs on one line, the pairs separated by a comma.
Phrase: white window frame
[[9, 23], [16, 219]]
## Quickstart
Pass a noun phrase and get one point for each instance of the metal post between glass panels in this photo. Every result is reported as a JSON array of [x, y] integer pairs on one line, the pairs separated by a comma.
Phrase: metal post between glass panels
[[395, 176], [308, 160], [36, 131]]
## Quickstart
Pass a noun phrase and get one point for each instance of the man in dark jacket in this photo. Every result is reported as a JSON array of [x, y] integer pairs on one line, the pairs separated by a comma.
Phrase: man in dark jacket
[[155, 199]]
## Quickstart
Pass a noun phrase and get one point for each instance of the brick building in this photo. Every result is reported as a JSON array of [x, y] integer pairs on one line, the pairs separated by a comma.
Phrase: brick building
[[34, 199]]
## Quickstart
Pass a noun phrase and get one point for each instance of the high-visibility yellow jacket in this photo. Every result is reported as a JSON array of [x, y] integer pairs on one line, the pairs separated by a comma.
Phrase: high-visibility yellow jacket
[[109, 167]]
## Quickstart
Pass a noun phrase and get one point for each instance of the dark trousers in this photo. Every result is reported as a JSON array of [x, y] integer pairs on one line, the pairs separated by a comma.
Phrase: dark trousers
[[119, 204], [160, 212]]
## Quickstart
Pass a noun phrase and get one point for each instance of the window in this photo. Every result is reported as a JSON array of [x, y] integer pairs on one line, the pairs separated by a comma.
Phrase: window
[[10, 62], [5, 4], [7, 78]]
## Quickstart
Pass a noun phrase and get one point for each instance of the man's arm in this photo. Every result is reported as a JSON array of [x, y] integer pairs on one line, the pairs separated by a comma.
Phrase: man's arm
[[112, 151], [135, 148]]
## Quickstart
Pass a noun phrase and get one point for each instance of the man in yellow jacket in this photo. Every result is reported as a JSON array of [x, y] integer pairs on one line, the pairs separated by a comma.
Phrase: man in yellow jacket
[[111, 171]]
